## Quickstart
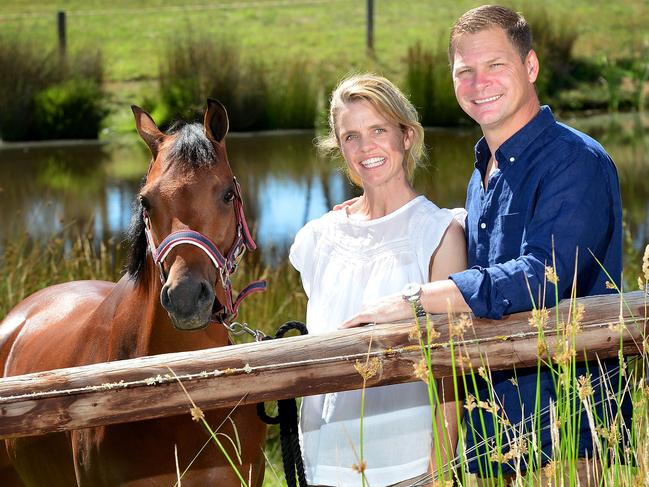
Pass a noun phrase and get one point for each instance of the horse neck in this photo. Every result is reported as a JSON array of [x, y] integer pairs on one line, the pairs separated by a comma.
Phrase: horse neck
[[143, 327]]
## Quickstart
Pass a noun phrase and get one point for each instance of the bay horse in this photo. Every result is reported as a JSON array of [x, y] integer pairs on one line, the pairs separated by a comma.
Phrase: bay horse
[[177, 282]]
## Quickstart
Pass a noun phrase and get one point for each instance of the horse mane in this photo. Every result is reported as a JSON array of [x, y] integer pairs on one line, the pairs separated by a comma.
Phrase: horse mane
[[188, 146], [136, 240]]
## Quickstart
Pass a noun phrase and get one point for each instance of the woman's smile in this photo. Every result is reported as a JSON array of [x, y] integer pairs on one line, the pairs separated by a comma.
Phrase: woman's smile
[[373, 162]]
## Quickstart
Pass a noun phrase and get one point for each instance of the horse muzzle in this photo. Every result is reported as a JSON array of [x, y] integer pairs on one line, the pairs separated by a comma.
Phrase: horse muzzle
[[188, 302]]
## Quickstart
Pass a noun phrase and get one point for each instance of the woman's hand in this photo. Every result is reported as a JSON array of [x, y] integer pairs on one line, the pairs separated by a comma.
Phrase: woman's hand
[[436, 297], [385, 310], [345, 204]]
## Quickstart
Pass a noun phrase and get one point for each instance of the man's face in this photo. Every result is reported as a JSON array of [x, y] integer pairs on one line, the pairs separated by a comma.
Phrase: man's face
[[492, 84]]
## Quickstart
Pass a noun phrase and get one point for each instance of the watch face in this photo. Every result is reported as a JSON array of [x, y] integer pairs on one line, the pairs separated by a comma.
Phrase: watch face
[[412, 289]]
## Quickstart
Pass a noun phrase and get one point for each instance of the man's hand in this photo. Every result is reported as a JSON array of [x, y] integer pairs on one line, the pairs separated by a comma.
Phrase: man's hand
[[345, 204], [387, 309]]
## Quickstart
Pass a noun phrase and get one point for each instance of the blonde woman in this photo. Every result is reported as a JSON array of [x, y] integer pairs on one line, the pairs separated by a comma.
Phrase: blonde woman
[[388, 240]]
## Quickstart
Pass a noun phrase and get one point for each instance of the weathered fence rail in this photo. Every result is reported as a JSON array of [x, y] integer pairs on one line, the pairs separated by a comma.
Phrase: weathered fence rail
[[145, 388]]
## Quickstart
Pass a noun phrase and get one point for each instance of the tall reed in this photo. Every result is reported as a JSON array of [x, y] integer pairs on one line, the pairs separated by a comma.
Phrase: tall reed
[[257, 96], [430, 87], [28, 265], [620, 452], [553, 41]]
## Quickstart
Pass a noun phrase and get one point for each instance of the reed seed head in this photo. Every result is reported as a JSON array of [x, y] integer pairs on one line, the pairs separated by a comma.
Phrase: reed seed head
[[551, 275], [421, 370], [368, 369]]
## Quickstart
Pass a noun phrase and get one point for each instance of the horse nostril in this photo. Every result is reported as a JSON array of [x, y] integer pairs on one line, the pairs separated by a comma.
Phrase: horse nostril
[[206, 294], [165, 300]]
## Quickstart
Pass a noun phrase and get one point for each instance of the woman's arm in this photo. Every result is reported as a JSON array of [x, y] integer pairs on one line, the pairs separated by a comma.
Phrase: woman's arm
[[449, 257]]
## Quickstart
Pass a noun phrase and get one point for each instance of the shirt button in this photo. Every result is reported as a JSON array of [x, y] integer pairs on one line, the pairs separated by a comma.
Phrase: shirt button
[[483, 225], [512, 159]]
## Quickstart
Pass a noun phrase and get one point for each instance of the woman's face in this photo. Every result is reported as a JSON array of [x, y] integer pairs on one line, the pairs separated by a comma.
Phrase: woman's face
[[372, 145]]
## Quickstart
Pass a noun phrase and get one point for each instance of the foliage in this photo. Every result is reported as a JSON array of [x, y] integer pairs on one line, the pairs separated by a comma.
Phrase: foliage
[[72, 109], [256, 98], [45, 96], [428, 83], [24, 71], [554, 39]]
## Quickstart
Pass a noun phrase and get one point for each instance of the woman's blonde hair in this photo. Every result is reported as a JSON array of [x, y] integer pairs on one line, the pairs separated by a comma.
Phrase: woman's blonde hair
[[389, 101]]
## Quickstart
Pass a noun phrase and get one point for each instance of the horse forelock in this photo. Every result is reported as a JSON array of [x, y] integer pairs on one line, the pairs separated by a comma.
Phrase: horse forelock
[[187, 145]]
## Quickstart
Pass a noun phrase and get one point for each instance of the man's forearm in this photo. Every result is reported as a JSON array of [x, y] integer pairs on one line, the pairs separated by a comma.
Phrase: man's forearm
[[439, 297]]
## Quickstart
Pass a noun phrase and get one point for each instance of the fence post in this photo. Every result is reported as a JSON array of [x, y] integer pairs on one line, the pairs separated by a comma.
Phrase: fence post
[[60, 22], [370, 28]]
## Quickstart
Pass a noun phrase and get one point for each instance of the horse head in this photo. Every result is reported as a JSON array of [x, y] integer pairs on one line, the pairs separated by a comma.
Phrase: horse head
[[190, 218]]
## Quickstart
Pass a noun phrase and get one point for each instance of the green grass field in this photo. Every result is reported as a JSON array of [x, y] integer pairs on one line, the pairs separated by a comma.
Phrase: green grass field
[[327, 37], [331, 33]]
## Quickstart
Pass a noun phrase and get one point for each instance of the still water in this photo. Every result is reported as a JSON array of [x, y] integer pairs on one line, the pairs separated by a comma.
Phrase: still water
[[48, 190]]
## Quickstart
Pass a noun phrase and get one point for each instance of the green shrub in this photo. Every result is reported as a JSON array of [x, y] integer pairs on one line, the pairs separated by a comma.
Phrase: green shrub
[[70, 110], [46, 97]]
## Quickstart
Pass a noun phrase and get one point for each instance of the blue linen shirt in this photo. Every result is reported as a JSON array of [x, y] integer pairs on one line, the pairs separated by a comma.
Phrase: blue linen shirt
[[555, 189], [553, 201]]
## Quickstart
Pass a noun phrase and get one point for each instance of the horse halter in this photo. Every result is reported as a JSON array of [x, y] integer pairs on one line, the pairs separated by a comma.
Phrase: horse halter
[[225, 265]]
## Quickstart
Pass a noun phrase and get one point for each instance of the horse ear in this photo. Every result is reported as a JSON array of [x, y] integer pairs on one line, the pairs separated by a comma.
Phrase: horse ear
[[147, 129], [216, 120]]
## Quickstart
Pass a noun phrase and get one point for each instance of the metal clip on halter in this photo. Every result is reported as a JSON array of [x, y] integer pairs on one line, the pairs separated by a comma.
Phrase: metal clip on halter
[[237, 328]]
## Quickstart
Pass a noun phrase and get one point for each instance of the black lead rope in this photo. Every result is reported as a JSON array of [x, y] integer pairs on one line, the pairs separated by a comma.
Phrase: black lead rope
[[287, 420]]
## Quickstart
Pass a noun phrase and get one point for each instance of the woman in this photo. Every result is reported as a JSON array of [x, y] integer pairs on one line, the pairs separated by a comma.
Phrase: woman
[[387, 238]]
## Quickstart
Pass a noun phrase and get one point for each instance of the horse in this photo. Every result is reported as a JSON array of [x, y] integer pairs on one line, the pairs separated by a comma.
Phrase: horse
[[177, 282]]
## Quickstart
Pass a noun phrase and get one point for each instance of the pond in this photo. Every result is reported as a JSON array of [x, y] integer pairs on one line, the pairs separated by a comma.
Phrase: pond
[[63, 189]]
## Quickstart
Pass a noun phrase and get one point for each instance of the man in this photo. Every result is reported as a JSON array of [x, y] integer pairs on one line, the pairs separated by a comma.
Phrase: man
[[542, 195]]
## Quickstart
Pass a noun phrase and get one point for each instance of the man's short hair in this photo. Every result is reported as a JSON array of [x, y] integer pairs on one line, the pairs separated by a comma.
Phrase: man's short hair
[[489, 17]]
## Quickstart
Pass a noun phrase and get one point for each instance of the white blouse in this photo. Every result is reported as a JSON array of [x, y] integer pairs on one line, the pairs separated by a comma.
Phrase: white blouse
[[344, 263]]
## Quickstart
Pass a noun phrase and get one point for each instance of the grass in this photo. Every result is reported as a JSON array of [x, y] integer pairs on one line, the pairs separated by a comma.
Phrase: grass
[[328, 35], [273, 62], [28, 265]]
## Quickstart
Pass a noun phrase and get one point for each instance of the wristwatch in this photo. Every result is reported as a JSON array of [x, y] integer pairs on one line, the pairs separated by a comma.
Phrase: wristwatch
[[412, 294]]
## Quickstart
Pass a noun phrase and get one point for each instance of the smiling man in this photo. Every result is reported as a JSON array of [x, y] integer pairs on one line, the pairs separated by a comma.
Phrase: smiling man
[[542, 194]]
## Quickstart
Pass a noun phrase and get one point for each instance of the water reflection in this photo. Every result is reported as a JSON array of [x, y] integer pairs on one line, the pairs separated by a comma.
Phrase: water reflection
[[90, 188], [287, 205]]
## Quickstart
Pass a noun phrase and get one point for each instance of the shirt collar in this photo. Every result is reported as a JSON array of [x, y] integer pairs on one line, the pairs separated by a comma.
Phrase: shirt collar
[[510, 150]]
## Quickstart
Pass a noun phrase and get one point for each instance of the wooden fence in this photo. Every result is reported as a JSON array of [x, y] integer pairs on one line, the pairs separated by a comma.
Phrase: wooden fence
[[149, 387]]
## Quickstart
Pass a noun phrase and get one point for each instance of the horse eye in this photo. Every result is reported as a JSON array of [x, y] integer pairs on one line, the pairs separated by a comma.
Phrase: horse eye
[[145, 202], [228, 196]]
